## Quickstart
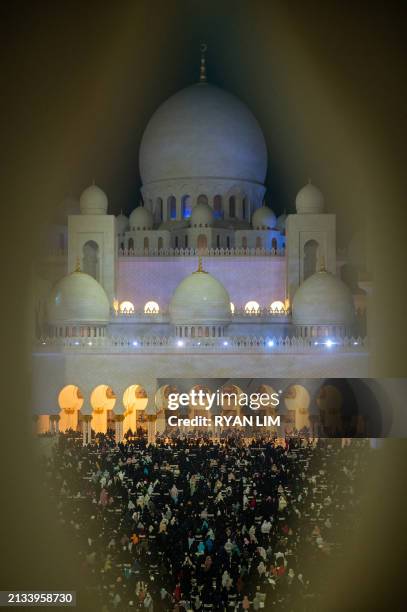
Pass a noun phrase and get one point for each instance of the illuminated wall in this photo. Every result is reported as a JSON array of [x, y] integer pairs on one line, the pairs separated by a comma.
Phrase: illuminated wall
[[256, 278]]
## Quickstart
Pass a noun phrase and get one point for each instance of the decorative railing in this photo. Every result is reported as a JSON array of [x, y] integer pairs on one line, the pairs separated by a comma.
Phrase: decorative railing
[[141, 314], [235, 344], [204, 252]]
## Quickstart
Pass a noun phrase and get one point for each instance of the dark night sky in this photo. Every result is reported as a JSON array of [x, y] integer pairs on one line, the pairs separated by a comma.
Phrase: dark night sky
[[84, 79]]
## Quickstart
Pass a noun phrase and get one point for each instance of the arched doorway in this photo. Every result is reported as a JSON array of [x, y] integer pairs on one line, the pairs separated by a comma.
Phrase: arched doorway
[[311, 256], [297, 401], [202, 242], [102, 400], [70, 400], [90, 258], [135, 402], [161, 404]]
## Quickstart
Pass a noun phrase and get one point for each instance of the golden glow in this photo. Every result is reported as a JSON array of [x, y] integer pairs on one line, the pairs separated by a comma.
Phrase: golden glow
[[127, 307], [161, 397], [297, 401], [116, 306], [232, 308], [70, 398], [252, 307], [135, 402], [102, 398], [151, 308], [277, 306], [135, 398]]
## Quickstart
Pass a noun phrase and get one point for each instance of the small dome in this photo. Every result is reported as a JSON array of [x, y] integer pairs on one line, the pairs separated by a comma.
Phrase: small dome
[[202, 215], [93, 201], [323, 299], [200, 298], [78, 298], [280, 225], [309, 200], [141, 219], [122, 224], [263, 218]]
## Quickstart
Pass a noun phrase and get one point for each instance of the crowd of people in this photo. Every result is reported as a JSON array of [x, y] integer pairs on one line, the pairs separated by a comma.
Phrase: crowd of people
[[194, 524]]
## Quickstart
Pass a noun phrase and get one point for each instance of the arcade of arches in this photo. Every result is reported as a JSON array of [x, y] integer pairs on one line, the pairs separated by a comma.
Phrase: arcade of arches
[[318, 411]]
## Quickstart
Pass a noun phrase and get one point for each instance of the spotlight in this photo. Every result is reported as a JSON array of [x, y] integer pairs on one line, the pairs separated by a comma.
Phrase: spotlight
[[135, 343], [270, 343], [225, 343], [315, 343], [329, 343], [180, 343], [355, 343], [77, 343], [89, 343]]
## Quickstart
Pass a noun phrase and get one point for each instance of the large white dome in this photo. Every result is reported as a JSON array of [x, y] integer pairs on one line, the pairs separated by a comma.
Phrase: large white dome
[[323, 299], [200, 298], [203, 132], [78, 298]]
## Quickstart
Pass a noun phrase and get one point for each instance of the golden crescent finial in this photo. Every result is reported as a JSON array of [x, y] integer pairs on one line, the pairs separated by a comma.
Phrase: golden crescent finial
[[200, 268], [202, 75], [78, 265]]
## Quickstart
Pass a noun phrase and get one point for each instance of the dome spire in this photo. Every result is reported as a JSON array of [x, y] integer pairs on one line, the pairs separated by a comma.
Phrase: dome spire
[[202, 75], [200, 268], [78, 265]]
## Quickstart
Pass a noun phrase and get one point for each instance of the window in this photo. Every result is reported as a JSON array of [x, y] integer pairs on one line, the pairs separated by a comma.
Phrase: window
[[186, 205], [126, 307], [151, 308], [232, 207], [252, 307], [217, 207], [172, 208]]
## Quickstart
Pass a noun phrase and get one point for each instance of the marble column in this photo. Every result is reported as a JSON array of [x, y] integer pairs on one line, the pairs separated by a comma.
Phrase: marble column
[[151, 428], [118, 430], [57, 418], [86, 429]]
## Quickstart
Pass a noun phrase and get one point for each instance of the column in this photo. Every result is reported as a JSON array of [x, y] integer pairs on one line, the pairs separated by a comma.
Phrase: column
[[151, 428], [118, 428], [51, 424], [86, 428]]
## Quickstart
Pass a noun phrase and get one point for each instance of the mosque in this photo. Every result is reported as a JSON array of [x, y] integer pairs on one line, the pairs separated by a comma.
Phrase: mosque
[[201, 281]]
